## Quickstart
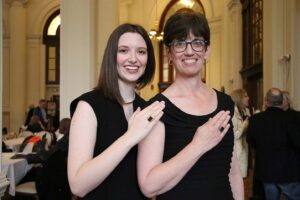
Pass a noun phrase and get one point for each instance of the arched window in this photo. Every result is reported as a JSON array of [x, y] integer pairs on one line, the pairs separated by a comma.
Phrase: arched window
[[51, 40], [166, 70]]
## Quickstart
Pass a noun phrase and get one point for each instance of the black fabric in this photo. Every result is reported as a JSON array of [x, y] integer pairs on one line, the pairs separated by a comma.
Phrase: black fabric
[[121, 184], [208, 178], [275, 135], [51, 178]]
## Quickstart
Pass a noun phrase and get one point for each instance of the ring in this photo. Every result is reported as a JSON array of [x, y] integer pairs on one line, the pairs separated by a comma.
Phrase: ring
[[221, 129], [150, 118]]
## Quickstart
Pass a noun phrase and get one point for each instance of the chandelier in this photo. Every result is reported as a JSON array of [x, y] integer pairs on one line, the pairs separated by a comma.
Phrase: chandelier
[[153, 33]]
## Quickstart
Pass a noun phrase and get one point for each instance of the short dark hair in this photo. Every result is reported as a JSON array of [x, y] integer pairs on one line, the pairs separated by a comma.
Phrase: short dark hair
[[179, 25], [274, 97], [108, 79]]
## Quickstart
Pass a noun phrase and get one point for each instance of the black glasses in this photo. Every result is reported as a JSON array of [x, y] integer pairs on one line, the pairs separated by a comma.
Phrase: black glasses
[[181, 45]]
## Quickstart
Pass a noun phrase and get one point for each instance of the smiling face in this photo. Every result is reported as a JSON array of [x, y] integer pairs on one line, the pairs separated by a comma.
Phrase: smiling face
[[189, 62], [132, 57]]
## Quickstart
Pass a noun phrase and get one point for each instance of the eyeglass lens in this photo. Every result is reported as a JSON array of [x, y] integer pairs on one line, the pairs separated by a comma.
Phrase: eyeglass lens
[[197, 45]]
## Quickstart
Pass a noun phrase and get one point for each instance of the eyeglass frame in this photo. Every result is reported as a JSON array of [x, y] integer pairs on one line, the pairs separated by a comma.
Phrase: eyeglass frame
[[191, 43]]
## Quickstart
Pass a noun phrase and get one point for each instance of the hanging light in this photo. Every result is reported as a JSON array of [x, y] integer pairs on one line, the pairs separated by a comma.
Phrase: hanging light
[[153, 32]]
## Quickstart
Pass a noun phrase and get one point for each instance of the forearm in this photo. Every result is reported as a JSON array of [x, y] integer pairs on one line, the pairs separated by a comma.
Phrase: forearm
[[235, 179], [94, 171], [166, 175]]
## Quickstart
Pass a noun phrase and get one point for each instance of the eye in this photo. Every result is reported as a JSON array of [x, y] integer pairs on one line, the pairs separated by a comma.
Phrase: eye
[[179, 44], [122, 50], [198, 43], [142, 51]]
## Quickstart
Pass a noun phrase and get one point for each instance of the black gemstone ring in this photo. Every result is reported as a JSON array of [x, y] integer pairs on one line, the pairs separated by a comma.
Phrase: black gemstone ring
[[150, 118], [221, 129]]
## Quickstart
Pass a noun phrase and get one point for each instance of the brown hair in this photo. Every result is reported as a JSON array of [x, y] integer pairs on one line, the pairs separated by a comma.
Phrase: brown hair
[[237, 97], [64, 126], [179, 25]]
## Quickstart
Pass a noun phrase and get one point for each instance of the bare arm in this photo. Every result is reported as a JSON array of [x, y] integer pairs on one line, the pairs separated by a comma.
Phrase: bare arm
[[85, 173], [156, 177], [235, 178]]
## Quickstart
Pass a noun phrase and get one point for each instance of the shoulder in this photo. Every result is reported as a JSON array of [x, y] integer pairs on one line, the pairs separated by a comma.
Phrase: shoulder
[[93, 98], [225, 102], [157, 97]]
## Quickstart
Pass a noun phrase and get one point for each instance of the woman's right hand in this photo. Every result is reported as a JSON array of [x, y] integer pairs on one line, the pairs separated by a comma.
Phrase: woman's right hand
[[142, 121], [211, 133]]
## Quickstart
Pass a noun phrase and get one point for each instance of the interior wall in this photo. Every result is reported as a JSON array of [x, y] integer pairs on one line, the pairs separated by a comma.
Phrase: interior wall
[[295, 58]]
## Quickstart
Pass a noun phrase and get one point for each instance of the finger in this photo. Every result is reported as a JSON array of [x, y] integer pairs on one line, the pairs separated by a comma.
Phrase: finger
[[138, 110], [222, 122], [216, 118], [156, 118], [226, 128]]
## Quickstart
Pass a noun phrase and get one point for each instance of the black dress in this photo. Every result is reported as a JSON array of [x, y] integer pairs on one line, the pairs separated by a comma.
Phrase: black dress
[[122, 183], [208, 178]]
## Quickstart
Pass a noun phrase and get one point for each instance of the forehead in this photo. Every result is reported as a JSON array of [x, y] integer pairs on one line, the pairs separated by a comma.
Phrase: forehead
[[132, 39]]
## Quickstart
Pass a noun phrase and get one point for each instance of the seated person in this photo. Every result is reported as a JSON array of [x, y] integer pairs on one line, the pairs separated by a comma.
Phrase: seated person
[[35, 125]]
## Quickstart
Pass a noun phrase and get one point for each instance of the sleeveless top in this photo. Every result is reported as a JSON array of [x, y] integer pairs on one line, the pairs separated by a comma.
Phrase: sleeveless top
[[122, 183], [208, 179]]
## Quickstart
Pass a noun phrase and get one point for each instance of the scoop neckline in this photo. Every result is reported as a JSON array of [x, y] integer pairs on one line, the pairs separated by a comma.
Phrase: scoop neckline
[[177, 109]]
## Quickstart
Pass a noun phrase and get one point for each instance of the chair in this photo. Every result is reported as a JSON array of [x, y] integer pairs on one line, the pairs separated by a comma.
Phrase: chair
[[27, 189]]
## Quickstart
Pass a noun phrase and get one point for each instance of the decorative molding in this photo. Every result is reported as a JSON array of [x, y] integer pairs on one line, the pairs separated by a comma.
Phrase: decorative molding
[[16, 3], [232, 3]]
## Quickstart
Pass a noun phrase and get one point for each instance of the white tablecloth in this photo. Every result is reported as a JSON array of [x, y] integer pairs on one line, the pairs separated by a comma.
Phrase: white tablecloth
[[14, 144], [15, 170]]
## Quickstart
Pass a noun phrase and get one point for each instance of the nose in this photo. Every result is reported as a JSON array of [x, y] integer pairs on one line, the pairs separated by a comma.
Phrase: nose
[[189, 50], [132, 57]]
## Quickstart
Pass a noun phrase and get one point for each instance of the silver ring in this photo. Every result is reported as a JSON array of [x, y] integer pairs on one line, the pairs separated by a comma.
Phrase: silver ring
[[221, 129], [150, 119]]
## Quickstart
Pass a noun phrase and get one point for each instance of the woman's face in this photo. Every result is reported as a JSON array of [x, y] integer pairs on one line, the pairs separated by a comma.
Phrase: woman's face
[[132, 57], [246, 100], [189, 62]]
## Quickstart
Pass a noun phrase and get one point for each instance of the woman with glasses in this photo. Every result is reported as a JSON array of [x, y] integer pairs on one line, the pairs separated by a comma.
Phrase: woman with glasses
[[189, 154]]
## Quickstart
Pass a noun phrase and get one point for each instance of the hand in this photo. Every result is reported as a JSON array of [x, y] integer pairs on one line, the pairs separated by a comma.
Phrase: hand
[[142, 121], [246, 123], [210, 134]]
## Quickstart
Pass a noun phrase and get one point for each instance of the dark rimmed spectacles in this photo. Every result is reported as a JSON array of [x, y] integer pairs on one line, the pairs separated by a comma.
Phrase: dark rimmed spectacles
[[181, 45]]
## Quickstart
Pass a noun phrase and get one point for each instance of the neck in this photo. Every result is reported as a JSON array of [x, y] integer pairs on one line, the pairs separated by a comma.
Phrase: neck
[[127, 92]]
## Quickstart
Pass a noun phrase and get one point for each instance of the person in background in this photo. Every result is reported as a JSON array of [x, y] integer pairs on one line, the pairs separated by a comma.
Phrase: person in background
[[274, 134], [35, 125], [41, 112], [29, 114], [108, 121], [189, 154], [240, 123], [63, 129]]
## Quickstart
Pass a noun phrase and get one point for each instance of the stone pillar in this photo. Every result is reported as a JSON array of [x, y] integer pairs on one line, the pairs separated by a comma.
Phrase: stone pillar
[[77, 60], [17, 17], [232, 48]]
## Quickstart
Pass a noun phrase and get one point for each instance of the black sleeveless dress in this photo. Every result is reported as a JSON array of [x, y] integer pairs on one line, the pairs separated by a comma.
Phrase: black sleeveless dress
[[208, 178], [122, 183]]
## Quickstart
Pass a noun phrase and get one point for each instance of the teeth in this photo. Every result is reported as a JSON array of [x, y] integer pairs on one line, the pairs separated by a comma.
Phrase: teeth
[[190, 60], [131, 67]]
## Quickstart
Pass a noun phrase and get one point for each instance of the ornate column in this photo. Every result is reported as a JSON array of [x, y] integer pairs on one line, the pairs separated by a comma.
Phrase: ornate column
[[17, 62]]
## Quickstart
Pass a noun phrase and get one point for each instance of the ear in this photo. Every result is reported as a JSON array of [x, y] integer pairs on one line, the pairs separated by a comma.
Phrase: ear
[[169, 53], [207, 53]]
